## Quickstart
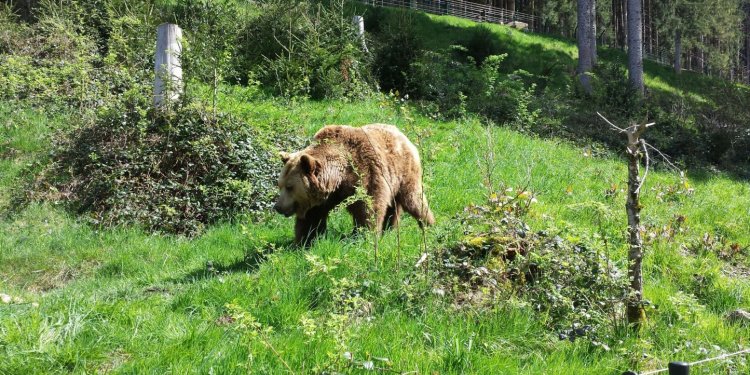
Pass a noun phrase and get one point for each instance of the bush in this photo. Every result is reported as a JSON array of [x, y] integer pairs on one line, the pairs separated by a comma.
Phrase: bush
[[457, 85], [396, 47], [210, 37], [481, 43], [49, 62], [46, 63], [441, 78], [575, 285], [614, 93], [303, 49], [173, 171]]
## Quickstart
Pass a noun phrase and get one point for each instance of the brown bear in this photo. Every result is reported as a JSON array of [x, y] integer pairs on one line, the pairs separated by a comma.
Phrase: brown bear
[[376, 157]]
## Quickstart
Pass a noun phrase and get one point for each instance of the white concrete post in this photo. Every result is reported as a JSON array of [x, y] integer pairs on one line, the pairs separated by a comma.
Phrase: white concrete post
[[359, 25], [167, 64]]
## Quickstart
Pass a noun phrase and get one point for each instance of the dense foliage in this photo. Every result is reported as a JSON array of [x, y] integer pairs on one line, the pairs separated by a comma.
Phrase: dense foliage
[[170, 171], [576, 286], [304, 49]]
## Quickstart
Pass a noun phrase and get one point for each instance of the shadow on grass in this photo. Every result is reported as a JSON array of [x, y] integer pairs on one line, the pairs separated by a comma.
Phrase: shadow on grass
[[250, 262]]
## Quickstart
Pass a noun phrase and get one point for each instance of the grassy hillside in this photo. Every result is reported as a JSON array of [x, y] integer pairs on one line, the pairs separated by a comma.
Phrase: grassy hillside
[[240, 298], [703, 119], [101, 300]]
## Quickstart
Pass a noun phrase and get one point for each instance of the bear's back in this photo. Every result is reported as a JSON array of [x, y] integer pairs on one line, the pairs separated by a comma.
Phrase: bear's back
[[370, 141]]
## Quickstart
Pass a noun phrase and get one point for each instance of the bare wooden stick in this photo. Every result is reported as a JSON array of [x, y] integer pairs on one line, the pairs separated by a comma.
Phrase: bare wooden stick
[[636, 148]]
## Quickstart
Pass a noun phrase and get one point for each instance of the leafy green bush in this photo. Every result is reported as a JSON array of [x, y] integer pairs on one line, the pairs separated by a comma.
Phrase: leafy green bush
[[210, 37], [51, 62], [46, 63], [303, 49], [614, 93], [457, 85], [396, 47], [481, 43], [578, 288], [170, 171], [440, 78]]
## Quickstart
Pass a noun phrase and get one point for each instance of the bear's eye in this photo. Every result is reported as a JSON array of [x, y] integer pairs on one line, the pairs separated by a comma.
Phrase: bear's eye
[[289, 188]]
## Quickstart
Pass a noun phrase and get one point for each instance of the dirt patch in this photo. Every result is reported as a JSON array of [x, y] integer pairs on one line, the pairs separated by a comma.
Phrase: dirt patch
[[45, 280]]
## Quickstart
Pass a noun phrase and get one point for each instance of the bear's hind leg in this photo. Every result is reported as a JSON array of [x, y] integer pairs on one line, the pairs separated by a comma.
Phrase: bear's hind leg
[[416, 205]]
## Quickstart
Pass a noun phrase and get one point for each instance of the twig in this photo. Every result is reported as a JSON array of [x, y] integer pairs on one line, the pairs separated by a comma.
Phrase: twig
[[666, 159], [621, 130], [645, 173], [269, 346]]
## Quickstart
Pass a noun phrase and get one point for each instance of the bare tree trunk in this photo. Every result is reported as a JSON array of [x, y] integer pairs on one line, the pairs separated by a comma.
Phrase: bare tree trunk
[[592, 33], [635, 150], [635, 45], [620, 14], [702, 60], [584, 44], [636, 314], [678, 51], [359, 27]]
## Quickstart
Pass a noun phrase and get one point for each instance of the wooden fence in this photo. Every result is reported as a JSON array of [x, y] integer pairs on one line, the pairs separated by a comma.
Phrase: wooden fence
[[466, 9]]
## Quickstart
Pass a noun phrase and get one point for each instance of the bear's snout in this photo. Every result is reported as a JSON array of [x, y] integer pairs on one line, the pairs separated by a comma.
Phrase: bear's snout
[[280, 209]]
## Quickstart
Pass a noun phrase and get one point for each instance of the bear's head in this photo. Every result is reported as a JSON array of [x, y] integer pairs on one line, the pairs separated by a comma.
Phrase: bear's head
[[299, 188]]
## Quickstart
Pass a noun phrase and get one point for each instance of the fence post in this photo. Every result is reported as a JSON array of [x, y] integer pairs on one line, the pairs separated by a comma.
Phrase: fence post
[[359, 25], [679, 368], [167, 66]]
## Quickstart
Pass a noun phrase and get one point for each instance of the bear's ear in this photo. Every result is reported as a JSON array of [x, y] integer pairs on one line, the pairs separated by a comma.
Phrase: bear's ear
[[285, 156], [308, 164]]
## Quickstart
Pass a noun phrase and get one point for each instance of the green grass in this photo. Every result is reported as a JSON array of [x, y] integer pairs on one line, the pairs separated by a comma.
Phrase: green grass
[[98, 300], [88, 299]]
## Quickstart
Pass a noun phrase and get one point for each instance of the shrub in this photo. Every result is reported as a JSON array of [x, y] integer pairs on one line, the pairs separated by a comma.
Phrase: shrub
[[578, 288], [614, 93], [504, 98], [210, 30], [303, 49], [440, 78], [47, 63], [396, 47], [457, 85], [481, 43], [169, 171]]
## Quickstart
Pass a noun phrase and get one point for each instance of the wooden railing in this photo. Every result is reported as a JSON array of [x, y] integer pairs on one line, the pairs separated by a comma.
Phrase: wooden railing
[[465, 9]]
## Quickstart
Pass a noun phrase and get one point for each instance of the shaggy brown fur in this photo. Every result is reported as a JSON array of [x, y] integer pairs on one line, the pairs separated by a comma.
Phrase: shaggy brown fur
[[377, 157]]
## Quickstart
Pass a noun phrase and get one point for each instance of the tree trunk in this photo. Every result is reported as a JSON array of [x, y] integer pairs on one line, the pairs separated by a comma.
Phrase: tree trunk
[[359, 27], [584, 44], [592, 32], [678, 51], [636, 314], [701, 56], [635, 150], [620, 13], [635, 45]]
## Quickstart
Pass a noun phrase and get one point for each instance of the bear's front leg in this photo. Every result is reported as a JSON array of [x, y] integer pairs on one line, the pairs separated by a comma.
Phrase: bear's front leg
[[360, 214], [311, 226]]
